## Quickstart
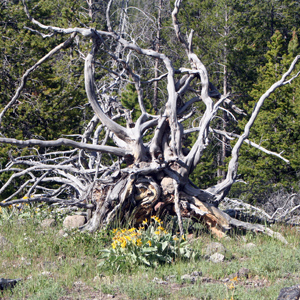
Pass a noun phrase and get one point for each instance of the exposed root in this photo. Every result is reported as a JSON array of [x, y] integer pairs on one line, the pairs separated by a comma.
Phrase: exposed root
[[177, 207], [132, 198]]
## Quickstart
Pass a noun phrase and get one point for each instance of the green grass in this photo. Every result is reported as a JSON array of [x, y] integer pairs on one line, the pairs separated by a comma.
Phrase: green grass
[[50, 264]]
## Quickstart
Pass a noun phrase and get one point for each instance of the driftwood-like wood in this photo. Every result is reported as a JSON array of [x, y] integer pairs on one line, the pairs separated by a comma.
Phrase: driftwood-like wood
[[151, 172]]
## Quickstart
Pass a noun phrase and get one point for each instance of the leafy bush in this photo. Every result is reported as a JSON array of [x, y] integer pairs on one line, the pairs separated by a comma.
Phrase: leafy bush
[[150, 245]]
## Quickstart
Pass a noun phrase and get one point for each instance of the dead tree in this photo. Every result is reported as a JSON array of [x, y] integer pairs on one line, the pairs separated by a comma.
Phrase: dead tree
[[149, 170]]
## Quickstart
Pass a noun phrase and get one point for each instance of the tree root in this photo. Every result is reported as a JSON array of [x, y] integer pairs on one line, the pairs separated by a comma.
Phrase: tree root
[[138, 199]]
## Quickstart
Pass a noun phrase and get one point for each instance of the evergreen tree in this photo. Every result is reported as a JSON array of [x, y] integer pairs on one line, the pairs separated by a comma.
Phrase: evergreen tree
[[276, 128], [52, 103]]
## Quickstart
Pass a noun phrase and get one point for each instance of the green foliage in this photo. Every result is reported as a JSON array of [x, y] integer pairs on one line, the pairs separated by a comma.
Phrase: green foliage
[[129, 99], [276, 127], [50, 264], [52, 103], [151, 246]]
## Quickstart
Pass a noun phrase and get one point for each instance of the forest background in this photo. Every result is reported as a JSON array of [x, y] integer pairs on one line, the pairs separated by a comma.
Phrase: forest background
[[246, 46]]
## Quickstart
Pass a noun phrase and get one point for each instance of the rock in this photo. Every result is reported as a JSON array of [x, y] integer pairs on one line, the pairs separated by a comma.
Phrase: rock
[[290, 293], [243, 272], [4, 242], [78, 283], [159, 281], [96, 279], [46, 273], [249, 246], [215, 247], [196, 273], [8, 283], [217, 258], [171, 277], [61, 257], [73, 222], [62, 233], [167, 185], [48, 223], [188, 278]]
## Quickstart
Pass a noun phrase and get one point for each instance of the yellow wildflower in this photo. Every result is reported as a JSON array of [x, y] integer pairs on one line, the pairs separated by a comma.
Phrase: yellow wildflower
[[128, 238], [139, 242], [123, 245], [114, 245], [160, 228], [234, 279], [115, 230], [175, 238], [157, 232], [25, 197], [231, 286], [131, 229], [149, 242], [156, 219], [145, 222], [183, 237]]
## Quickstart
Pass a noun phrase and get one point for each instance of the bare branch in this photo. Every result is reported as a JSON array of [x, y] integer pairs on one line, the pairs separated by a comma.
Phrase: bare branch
[[66, 142], [223, 187]]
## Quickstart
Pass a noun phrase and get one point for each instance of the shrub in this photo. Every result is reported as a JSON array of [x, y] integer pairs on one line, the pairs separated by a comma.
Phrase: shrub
[[151, 244]]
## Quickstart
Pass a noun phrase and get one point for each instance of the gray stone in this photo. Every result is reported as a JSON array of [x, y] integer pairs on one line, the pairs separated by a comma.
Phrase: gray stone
[[62, 233], [242, 272], [48, 223], [4, 242], [8, 283], [217, 258], [249, 246], [171, 277], [196, 273], [167, 185], [290, 293], [159, 281], [188, 278], [73, 222], [46, 273], [215, 247]]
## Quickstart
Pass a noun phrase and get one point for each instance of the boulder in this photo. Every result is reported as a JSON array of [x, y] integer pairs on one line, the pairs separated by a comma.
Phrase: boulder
[[8, 283], [249, 246], [73, 222], [167, 185], [290, 293], [4, 242], [48, 223], [241, 273], [217, 258], [188, 278], [215, 247]]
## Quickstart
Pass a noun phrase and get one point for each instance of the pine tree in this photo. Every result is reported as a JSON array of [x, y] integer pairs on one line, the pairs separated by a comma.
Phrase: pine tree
[[276, 128]]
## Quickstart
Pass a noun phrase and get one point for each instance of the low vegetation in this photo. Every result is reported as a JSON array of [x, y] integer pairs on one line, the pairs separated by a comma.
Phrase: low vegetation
[[57, 264]]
